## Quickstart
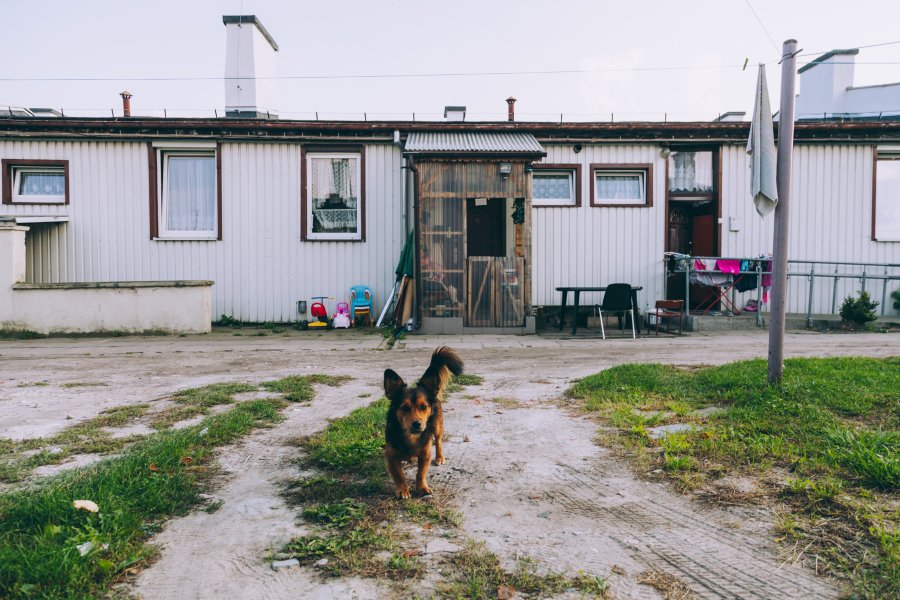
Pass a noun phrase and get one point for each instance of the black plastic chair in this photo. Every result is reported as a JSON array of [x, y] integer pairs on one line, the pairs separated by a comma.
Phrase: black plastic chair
[[617, 300]]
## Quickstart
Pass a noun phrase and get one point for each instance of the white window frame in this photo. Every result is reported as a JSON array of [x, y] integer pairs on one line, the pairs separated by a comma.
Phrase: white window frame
[[878, 234], [310, 235], [19, 170], [164, 151], [642, 177], [572, 200]]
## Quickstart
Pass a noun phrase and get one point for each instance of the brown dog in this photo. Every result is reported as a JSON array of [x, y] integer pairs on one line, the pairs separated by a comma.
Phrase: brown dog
[[415, 418]]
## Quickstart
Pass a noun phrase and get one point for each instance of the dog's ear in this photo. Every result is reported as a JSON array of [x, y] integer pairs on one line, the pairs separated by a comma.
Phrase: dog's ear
[[392, 383]]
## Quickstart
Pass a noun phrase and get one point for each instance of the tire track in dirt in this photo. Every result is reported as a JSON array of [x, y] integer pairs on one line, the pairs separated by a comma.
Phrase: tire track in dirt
[[531, 482]]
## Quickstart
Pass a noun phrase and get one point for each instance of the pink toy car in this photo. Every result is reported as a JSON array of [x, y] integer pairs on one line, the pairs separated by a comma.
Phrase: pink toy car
[[342, 316]]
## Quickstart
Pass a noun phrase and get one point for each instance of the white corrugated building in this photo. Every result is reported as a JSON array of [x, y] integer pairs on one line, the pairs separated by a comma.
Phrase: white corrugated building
[[279, 211]]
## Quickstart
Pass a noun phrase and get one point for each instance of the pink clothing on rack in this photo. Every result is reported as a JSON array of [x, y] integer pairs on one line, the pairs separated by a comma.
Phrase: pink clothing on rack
[[729, 266]]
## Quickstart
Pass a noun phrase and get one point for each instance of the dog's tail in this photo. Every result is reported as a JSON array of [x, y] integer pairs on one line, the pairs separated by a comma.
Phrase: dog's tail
[[444, 362]]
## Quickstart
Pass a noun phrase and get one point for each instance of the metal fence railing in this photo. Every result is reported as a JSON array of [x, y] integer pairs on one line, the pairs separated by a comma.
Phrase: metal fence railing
[[846, 278]]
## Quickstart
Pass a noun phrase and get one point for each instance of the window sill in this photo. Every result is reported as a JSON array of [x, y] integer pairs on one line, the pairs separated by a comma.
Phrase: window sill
[[318, 239], [60, 202], [185, 239]]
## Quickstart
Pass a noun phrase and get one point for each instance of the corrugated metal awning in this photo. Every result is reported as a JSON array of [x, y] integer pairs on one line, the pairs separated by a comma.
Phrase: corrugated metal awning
[[513, 144]]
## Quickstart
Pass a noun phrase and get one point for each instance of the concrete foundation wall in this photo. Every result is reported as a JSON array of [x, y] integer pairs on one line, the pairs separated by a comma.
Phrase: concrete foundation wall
[[128, 307]]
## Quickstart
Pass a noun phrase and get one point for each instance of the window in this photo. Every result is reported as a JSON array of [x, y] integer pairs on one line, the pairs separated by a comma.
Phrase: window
[[35, 181], [622, 185], [556, 185], [886, 209], [691, 172], [334, 196], [185, 190]]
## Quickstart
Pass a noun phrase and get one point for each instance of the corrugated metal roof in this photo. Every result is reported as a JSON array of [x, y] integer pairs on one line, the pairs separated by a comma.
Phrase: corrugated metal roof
[[429, 141]]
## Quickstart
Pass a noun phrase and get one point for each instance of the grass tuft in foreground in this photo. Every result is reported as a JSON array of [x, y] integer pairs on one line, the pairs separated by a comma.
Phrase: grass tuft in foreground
[[458, 382], [833, 425], [299, 388], [49, 549]]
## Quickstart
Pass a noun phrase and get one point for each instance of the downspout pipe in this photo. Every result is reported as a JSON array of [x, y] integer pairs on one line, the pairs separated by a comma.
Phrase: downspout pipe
[[417, 268]]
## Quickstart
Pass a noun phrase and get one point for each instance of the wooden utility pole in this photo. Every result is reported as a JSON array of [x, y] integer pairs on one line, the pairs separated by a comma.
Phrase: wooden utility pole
[[782, 212]]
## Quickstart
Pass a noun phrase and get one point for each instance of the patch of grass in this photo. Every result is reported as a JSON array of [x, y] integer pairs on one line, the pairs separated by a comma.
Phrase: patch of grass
[[458, 382], [213, 395], [135, 491], [75, 384], [87, 437], [833, 423], [353, 444], [506, 402], [33, 384], [475, 572], [666, 584], [20, 334], [299, 388]]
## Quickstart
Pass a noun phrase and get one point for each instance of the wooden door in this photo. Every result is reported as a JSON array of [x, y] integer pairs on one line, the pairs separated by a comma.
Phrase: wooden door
[[485, 228]]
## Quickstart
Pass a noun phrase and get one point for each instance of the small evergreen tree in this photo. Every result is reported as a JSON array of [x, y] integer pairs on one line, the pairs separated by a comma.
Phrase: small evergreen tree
[[859, 310]]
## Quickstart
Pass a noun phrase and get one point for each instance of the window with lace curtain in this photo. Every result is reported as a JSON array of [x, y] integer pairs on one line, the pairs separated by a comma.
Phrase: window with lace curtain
[[333, 200], [35, 181], [691, 172], [556, 185], [622, 185]]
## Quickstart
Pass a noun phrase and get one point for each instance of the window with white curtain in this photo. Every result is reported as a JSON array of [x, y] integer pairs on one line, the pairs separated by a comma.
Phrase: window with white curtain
[[553, 188], [621, 186], [887, 198], [691, 172], [334, 199], [35, 182], [188, 198]]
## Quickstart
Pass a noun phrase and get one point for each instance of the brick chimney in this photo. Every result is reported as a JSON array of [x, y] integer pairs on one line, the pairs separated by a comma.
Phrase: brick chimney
[[250, 70]]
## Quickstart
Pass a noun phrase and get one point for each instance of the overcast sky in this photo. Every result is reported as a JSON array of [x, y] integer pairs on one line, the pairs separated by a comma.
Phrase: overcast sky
[[619, 42]]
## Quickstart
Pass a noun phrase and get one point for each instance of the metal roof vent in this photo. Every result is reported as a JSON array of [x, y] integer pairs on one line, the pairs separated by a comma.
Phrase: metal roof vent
[[455, 113]]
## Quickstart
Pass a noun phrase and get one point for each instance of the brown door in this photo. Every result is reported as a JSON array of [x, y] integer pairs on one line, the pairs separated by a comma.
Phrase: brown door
[[486, 228]]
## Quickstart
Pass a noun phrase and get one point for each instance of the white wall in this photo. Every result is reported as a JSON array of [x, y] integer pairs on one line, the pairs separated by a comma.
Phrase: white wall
[[592, 246], [830, 219], [261, 267]]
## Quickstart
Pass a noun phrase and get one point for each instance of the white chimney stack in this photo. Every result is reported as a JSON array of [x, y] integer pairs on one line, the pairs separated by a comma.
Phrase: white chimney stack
[[824, 83], [250, 84]]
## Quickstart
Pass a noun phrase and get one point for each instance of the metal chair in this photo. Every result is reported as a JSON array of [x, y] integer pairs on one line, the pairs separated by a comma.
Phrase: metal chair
[[617, 300], [669, 309]]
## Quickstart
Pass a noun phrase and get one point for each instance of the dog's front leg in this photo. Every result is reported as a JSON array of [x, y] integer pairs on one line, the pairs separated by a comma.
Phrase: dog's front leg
[[395, 469], [438, 444], [422, 473]]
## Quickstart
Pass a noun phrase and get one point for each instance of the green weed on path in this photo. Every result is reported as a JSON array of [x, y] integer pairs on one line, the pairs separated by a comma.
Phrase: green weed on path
[[833, 427]]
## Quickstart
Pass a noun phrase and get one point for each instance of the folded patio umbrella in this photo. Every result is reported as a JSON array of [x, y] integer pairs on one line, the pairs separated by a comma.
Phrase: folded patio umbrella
[[761, 148]]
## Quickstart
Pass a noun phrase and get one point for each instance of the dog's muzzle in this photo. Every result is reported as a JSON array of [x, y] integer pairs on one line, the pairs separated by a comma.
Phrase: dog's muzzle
[[416, 427]]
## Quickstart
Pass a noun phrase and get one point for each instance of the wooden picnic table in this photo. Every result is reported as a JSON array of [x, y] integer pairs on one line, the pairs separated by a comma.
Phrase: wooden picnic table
[[578, 290]]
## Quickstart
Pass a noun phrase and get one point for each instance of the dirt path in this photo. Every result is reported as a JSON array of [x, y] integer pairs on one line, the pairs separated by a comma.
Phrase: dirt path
[[529, 481]]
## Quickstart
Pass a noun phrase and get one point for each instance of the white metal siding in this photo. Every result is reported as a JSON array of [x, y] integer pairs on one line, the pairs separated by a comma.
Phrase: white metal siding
[[593, 246], [260, 268], [831, 218]]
